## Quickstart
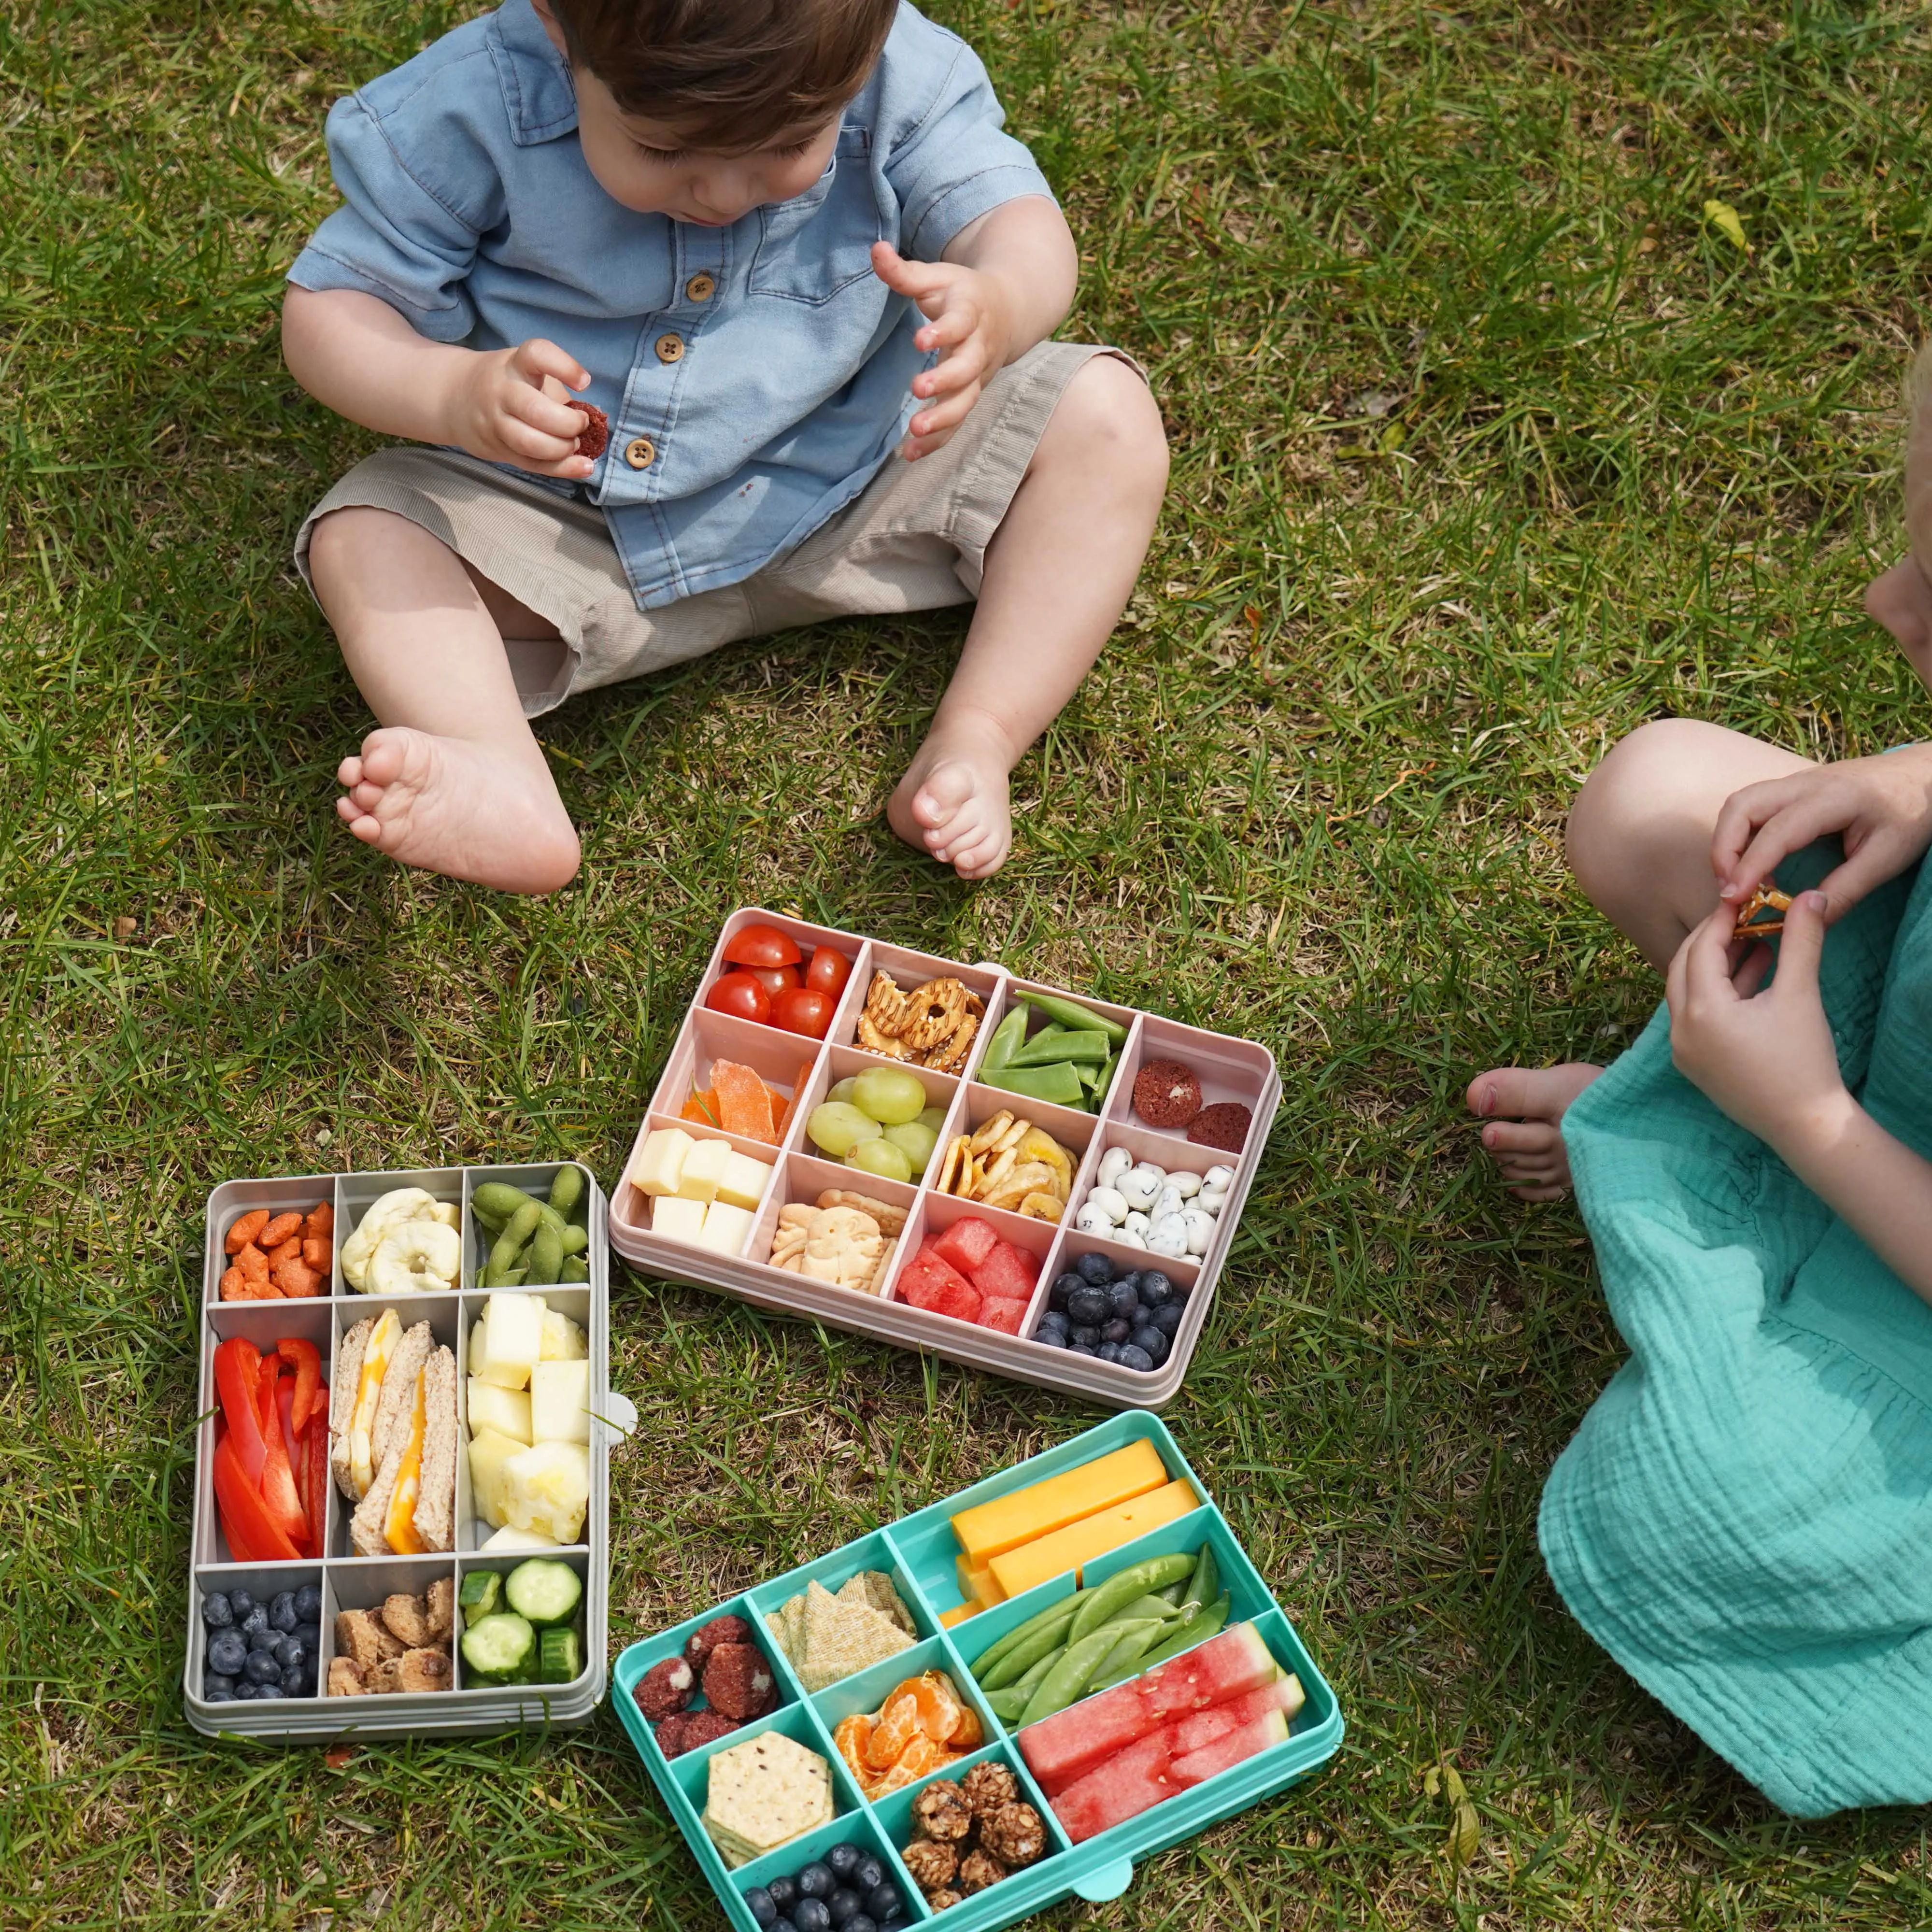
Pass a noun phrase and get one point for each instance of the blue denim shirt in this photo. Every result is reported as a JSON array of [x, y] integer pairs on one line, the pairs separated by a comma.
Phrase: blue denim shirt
[[756, 376]]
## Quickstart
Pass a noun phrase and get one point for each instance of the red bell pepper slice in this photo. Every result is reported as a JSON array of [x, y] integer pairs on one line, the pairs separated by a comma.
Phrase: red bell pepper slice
[[315, 1490], [253, 1535], [238, 1382], [280, 1495], [292, 1443], [306, 1360], [268, 1371]]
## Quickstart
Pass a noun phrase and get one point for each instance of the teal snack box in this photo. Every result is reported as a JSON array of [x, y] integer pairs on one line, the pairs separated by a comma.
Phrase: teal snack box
[[918, 1553]]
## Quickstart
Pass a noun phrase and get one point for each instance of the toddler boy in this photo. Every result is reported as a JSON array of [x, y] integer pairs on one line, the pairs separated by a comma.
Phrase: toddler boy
[[786, 248]]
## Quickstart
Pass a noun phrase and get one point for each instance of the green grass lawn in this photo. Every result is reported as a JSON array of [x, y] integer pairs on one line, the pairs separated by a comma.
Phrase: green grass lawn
[[1489, 446]]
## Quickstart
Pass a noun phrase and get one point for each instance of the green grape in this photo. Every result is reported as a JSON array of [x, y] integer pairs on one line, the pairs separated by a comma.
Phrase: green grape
[[843, 1090], [889, 1095], [917, 1139], [881, 1157], [837, 1128], [934, 1118]]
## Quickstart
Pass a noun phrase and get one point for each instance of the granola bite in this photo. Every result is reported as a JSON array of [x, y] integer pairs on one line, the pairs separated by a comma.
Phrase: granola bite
[[933, 1865], [978, 1869], [942, 1811], [987, 1786], [1014, 1835]]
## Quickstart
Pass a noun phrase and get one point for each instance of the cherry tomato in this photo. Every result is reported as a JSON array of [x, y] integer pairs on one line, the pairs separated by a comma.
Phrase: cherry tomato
[[775, 979], [739, 995], [803, 1009], [762, 946], [829, 971]]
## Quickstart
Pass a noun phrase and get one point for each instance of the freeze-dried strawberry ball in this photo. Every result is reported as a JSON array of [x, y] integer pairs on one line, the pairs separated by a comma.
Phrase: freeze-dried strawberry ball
[[739, 1681], [594, 436], [666, 1687], [699, 1646]]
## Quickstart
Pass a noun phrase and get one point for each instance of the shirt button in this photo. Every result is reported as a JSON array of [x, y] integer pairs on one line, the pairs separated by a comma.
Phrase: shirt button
[[669, 348], [641, 452], [701, 288]]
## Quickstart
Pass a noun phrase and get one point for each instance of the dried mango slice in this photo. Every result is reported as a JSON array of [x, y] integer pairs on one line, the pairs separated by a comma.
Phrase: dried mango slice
[[701, 1108], [744, 1101], [781, 1111]]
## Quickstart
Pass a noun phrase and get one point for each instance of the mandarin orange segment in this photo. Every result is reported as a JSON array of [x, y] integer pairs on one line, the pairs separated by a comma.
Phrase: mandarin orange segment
[[969, 1734], [851, 1737], [744, 1101], [938, 1707], [898, 1725]]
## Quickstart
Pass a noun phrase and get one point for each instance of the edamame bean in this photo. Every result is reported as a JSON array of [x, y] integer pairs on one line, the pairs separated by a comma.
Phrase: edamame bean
[[1121, 1588], [567, 1188], [575, 1269], [546, 1253], [516, 1232], [497, 1199], [575, 1239]]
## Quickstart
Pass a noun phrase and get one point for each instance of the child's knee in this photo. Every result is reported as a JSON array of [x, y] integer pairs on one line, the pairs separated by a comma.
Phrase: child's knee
[[336, 543], [1640, 777], [1108, 416]]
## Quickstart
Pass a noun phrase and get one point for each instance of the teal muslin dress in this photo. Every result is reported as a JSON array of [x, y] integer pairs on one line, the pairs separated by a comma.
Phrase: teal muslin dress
[[1744, 1521]]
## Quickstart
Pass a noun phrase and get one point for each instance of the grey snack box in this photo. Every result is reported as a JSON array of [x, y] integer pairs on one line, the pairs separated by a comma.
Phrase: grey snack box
[[349, 1581], [1229, 1069]]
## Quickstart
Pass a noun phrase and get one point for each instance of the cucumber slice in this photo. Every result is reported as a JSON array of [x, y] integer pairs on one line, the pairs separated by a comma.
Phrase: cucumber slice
[[545, 1591], [559, 1657], [481, 1593], [500, 1649]]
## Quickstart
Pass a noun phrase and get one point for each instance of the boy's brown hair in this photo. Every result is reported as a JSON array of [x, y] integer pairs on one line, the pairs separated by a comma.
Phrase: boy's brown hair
[[728, 74]]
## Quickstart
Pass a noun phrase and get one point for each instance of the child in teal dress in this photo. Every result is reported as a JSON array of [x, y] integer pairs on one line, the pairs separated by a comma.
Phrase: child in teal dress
[[1744, 1521]]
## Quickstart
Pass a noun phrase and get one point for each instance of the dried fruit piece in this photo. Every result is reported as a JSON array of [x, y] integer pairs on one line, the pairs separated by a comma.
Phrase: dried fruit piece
[[1166, 1094], [744, 1101], [594, 438], [1225, 1126]]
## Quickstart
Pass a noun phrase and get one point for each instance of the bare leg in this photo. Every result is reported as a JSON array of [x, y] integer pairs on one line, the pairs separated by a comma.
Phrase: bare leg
[[1640, 846], [1058, 574], [454, 782], [1901, 600]]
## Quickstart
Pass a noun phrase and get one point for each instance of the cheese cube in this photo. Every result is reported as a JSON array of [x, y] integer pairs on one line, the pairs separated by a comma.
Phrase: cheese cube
[[563, 1340], [489, 1451], [703, 1168], [991, 1529], [743, 1185], [675, 1220], [559, 1401], [1079, 1543], [506, 1411], [726, 1229], [512, 1335], [661, 1160]]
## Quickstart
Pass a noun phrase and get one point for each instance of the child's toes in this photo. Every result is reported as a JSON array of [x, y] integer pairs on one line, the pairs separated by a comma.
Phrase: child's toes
[[1533, 1138], [383, 755], [947, 789], [349, 772]]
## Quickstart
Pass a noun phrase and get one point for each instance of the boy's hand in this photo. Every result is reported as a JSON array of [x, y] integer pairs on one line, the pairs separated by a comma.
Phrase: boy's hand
[[512, 406], [1882, 807], [970, 319], [1766, 1059]]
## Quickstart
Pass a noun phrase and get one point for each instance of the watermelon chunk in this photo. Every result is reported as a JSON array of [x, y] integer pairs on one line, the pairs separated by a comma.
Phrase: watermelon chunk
[[928, 1282], [1006, 1316], [1063, 1747], [966, 1244], [1240, 1744], [1005, 1273], [1199, 1728], [1129, 1782]]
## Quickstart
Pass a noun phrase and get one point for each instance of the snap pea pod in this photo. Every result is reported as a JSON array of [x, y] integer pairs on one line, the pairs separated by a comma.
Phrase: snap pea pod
[[1058, 1084], [1023, 1656], [1133, 1640], [1018, 1634], [574, 1238], [1007, 1704], [1064, 1682], [567, 1190], [1075, 1017], [1006, 1038], [1204, 1585], [1152, 1606], [1174, 1592], [1198, 1629], [1124, 1585], [546, 1253], [1044, 1049]]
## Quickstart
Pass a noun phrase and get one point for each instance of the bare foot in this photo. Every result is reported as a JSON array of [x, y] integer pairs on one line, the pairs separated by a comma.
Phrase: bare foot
[[953, 802], [1901, 600], [469, 810], [1527, 1142]]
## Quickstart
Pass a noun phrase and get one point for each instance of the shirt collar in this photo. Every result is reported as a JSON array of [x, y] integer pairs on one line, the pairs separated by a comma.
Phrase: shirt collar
[[538, 92]]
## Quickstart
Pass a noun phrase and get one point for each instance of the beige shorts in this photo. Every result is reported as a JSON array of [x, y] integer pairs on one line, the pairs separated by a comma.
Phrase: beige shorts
[[914, 540]]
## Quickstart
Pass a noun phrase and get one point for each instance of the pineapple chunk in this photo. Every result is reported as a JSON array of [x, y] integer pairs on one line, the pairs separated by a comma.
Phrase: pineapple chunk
[[490, 1454], [508, 1539], [512, 1326], [559, 1401], [547, 1488], [506, 1411], [563, 1340]]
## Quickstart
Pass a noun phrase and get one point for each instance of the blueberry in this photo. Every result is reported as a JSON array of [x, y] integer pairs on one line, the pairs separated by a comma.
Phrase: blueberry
[[842, 1905], [869, 1876], [1079, 1349], [257, 1619], [813, 1881], [212, 1681], [215, 1612], [1131, 1357], [309, 1635], [841, 1859], [1090, 1307], [240, 1603], [1167, 1317], [1115, 1331], [282, 1610], [1122, 1298], [758, 1903], [227, 1653], [301, 1684], [1063, 1285], [1054, 1319], [784, 1893], [882, 1899], [1083, 1336], [1151, 1340], [1095, 1269], [308, 1604], [1109, 1351], [1050, 1338], [244, 1690], [862, 1921], [1155, 1288], [261, 1668], [293, 1655], [218, 1696], [783, 1925], [809, 1914], [264, 1639]]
